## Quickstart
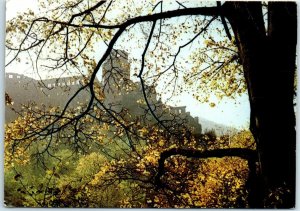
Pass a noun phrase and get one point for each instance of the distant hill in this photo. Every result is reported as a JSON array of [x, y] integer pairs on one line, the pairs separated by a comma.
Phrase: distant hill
[[219, 129]]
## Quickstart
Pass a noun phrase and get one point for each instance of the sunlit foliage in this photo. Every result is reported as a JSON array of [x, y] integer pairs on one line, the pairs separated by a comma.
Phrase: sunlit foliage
[[93, 179]]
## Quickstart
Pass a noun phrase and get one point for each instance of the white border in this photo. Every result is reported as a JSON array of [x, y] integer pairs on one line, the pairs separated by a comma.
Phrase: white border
[[2, 117]]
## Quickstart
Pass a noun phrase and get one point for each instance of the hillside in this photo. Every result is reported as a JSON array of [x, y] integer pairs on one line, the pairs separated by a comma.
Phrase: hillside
[[53, 92], [219, 129], [56, 92]]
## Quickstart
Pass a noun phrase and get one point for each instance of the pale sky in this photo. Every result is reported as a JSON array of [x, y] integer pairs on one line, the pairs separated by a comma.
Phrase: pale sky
[[229, 112]]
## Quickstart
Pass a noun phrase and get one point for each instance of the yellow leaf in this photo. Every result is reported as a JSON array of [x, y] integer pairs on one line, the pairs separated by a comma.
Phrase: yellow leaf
[[212, 105], [49, 172], [161, 143]]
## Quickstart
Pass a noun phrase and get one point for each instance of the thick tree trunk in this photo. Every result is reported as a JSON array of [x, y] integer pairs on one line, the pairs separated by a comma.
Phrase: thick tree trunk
[[268, 60]]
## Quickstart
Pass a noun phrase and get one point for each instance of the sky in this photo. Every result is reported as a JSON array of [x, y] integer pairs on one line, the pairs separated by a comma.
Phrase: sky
[[228, 112]]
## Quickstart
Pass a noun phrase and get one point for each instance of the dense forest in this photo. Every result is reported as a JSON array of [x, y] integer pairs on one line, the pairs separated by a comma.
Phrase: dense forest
[[112, 140]]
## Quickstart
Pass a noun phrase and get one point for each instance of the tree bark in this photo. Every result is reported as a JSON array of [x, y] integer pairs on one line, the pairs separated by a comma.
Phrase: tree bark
[[268, 61]]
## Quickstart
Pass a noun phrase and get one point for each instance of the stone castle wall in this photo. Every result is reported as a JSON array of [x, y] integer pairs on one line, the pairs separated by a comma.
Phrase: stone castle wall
[[120, 92]]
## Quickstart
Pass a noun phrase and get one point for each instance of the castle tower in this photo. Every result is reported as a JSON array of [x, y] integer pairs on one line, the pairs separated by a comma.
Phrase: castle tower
[[116, 68]]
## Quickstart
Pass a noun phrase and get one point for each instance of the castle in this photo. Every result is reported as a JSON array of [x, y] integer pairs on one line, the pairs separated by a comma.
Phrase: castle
[[118, 88]]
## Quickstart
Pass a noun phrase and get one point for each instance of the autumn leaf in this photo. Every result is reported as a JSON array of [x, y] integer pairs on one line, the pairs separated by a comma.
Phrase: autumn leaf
[[212, 104]]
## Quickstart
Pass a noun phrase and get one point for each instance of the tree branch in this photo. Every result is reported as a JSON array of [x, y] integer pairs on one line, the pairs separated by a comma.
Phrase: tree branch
[[207, 11], [244, 153], [223, 20]]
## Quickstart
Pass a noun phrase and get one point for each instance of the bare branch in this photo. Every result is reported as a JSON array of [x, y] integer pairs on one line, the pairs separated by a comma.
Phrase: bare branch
[[223, 20]]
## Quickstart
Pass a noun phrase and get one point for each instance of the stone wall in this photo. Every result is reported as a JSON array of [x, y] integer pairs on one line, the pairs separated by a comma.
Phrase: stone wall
[[119, 91]]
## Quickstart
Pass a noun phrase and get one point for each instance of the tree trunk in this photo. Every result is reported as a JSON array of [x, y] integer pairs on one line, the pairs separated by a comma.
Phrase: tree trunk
[[269, 60]]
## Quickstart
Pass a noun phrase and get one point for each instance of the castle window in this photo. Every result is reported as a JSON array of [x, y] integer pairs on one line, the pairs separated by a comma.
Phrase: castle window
[[18, 76], [10, 76], [179, 111]]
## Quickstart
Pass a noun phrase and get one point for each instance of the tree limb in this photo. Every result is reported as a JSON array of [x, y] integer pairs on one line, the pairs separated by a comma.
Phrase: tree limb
[[223, 20], [244, 153]]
